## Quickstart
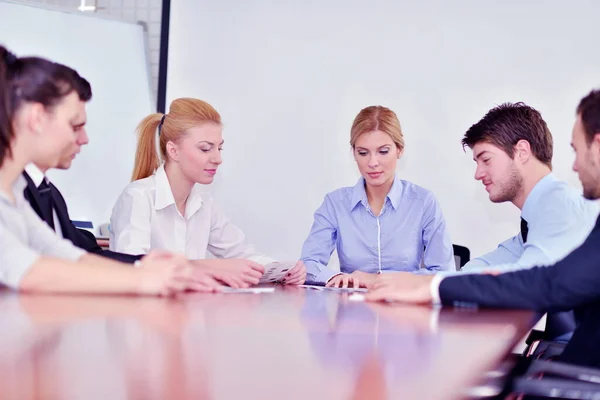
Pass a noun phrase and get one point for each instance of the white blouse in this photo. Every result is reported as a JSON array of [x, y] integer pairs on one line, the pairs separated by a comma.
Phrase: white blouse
[[146, 217], [24, 237]]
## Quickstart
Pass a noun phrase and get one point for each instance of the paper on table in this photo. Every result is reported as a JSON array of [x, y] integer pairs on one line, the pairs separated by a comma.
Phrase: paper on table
[[356, 297], [276, 271], [334, 289], [227, 289]]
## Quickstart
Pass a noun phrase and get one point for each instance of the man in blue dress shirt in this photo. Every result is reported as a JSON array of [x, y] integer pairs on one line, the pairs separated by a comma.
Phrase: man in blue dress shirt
[[512, 147], [573, 283]]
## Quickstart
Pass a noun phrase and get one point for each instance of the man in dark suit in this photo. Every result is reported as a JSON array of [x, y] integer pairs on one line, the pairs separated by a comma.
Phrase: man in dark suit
[[571, 284], [49, 204], [47, 201]]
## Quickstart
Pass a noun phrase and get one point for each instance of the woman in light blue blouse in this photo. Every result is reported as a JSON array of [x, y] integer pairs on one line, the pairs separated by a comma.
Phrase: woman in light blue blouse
[[383, 223]]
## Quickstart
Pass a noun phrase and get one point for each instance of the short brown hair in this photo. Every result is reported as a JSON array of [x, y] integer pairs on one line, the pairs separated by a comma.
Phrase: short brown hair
[[506, 124], [377, 118], [589, 110]]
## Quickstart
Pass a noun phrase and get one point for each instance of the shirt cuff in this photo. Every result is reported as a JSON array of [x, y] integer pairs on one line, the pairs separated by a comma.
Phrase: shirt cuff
[[475, 264], [434, 288], [325, 275]]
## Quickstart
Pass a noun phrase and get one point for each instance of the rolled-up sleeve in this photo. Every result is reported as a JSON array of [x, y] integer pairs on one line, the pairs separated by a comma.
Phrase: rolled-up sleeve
[[15, 258], [24, 238], [320, 243]]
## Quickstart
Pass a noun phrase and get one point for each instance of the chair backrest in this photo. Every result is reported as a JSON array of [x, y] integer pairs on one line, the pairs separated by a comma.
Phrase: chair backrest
[[462, 255]]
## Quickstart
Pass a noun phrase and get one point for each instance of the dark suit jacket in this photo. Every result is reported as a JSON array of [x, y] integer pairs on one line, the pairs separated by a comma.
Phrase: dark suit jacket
[[571, 284], [81, 239]]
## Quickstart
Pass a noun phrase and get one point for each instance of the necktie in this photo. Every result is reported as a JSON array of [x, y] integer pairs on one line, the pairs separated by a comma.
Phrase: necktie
[[524, 230], [46, 203], [557, 324]]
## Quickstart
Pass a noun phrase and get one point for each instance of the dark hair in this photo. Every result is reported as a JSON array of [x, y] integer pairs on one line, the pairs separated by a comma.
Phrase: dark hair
[[506, 124], [589, 110], [32, 79]]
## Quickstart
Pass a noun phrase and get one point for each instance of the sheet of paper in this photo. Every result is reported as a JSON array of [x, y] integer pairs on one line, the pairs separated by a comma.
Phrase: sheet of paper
[[227, 289], [277, 271], [356, 297], [314, 287], [333, 289], [347, 290]]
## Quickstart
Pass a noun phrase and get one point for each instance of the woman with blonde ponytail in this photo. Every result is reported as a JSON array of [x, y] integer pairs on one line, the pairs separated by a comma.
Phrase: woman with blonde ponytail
[[40, 104], [164, 207]]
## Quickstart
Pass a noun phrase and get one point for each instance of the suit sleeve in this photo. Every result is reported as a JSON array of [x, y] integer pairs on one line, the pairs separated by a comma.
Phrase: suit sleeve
[[81, 238], [87, 241], [570, 283]]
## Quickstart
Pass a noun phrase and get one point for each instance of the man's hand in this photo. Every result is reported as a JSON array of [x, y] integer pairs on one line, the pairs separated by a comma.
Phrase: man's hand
[[405, 288]]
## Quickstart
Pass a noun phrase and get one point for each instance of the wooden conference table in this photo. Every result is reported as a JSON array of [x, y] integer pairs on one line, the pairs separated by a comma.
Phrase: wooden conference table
[[294, 343]]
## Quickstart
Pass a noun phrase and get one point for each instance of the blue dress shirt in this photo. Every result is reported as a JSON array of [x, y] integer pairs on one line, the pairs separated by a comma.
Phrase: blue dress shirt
[[559, 219], [411, 220]]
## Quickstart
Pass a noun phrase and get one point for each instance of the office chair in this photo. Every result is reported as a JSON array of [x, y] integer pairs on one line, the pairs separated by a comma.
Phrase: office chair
[[462, 255], [545, 379]]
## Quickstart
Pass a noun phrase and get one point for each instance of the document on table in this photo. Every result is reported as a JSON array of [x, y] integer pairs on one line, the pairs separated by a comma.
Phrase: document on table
[[256, 290], [334, 289]]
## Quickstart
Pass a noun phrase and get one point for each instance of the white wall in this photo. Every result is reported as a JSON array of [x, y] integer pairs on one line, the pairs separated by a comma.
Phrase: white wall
[[148, 11], [288, 78], [111, 55]]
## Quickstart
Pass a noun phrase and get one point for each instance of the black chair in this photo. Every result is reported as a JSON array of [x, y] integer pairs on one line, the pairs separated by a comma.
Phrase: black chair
[[462, 255], [545, 379]]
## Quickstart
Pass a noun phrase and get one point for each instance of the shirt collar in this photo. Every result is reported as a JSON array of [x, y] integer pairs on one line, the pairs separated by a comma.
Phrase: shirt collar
[[538, 191], [36, 175], [359, 194], [164, 195]]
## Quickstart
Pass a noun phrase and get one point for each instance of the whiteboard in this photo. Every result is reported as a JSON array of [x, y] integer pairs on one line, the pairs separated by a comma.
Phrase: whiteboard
[[289, 77], [111, 55]]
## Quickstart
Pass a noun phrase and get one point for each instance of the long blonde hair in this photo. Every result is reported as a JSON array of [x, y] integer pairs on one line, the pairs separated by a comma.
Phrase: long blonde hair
[[184, 113], [377, 118]]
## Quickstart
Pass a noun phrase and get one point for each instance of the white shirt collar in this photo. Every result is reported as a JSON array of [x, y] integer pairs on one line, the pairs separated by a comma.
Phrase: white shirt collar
[[36, 175], [164, 195]]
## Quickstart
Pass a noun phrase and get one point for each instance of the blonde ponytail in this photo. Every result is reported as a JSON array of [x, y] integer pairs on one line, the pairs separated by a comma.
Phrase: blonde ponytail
[[146, 156], [184, 113]]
